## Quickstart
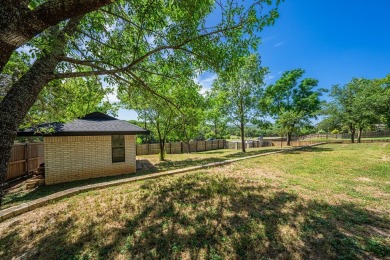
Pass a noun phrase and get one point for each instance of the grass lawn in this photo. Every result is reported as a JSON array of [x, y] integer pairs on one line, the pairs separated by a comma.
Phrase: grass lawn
[[17, 195], [325, 202]]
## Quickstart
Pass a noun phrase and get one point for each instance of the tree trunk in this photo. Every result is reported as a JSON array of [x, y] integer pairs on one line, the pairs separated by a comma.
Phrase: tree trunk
[[360, 135], [162, 150], [288, 139], [352, 130], [242, 137], [22, 95]]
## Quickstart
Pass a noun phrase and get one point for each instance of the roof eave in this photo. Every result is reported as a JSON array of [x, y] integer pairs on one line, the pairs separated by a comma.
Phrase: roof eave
[[144, 132]]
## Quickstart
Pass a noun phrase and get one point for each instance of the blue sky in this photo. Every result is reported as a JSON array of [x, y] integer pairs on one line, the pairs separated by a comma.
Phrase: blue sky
[[333, 41]]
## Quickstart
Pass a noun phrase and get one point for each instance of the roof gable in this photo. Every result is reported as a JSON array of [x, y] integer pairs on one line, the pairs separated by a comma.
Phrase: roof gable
[[98, 116], [92, 124]]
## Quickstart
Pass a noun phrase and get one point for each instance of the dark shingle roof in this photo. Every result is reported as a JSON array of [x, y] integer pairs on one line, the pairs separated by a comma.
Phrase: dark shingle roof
[[92, 124]]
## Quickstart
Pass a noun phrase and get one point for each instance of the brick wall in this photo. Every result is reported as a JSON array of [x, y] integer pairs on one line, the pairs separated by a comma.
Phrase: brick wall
[[69, 158]]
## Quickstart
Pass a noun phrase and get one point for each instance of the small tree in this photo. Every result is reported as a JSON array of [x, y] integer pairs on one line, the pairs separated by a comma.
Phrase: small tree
[[191, 105], [291, 103], [162, 122], [215, 113], [242, 89]]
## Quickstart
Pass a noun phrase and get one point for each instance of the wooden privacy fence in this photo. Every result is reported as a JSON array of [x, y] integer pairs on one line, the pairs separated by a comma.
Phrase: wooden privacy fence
[[198, 146], [322, 136], [248, 144], [181, 147], [25, 158], [369, 134], [293, 143]]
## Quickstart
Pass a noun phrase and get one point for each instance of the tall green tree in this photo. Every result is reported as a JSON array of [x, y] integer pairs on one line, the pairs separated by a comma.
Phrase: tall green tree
[[124, 40], [180, 121], [242, 89], [290, 102]]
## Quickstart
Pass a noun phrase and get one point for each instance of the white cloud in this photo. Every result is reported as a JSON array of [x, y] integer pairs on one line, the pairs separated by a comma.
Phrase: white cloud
[[268, 39], [278, 44], [268, 79], [206, 81], [112, 98], [112, 95]]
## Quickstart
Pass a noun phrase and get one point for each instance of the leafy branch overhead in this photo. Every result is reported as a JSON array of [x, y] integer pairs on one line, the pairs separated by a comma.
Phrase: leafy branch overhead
[[122, 44]]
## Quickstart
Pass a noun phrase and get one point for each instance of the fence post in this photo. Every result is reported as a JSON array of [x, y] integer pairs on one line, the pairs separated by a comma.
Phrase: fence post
[[27, 155], [148, 149], [170, 147], [196, 146], [181, 147]]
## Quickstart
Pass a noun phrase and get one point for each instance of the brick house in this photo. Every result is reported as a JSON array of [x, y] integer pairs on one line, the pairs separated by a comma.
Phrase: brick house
[[94, 146]]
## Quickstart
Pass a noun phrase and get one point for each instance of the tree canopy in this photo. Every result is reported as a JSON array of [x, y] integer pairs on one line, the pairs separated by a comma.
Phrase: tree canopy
[[124, 43], [291, 103]]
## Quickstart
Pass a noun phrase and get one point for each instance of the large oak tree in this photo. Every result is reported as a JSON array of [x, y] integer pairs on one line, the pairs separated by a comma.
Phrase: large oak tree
[[123, 42]]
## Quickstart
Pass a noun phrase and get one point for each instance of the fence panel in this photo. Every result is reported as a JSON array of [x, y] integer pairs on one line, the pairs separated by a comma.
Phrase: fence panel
[[201, 146], [198, 146], [25, 158], [181, 147], [368, 134]]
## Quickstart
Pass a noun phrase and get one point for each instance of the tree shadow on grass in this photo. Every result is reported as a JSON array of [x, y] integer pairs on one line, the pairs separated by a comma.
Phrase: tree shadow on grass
[[312, 149], [212, 152], [173, 165], [250, 153], [147, 168], [212, 217]]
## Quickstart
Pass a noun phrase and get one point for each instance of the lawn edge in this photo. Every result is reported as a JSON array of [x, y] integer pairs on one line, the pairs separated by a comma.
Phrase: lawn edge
[[34, 204]]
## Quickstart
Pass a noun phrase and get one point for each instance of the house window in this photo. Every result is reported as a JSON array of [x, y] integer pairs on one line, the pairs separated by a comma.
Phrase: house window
[[118, 148]]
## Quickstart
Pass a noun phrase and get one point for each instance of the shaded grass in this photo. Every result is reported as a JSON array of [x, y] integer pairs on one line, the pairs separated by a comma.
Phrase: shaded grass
[[178, 161], [307, 204], [173, 162]]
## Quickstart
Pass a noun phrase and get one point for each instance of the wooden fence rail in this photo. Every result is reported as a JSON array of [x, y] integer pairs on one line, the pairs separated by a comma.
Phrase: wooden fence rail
[[369, 134], [181, 147], [25, 158], [248, 144]]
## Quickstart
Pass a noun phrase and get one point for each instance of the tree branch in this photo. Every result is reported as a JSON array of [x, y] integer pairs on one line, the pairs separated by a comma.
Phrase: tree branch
[[26, 24]]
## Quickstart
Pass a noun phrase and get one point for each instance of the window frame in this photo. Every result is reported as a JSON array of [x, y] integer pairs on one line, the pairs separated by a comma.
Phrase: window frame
[[118, 143]]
